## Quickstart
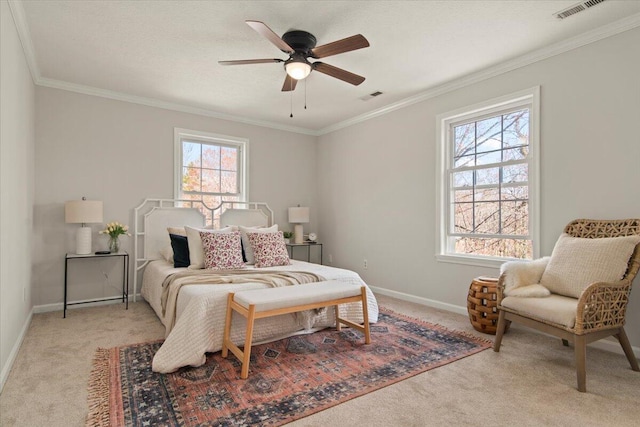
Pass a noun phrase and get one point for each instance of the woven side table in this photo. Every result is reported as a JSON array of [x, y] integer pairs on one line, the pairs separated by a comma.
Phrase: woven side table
[[482, 304]]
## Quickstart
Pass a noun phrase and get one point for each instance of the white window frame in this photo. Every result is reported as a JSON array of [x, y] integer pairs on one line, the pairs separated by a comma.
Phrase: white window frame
[[214, 139], [529, 98]]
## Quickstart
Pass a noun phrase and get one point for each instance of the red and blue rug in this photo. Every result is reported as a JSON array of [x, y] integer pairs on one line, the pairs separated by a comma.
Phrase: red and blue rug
[[288, 379]]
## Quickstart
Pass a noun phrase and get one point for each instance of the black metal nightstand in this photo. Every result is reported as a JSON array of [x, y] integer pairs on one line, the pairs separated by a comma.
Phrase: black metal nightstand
[[125, 278], [291, 247]]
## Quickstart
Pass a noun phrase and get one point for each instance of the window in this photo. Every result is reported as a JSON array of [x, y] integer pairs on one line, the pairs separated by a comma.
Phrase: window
[[210, 169], [488, 185]]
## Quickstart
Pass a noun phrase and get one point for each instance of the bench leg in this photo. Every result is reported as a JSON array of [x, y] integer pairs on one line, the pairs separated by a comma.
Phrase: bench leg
[[338, 324], [365, 316], [246, 351], [227, 326]]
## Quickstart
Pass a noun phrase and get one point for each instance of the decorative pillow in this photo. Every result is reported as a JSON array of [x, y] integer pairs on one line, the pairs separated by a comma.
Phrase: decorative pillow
[[269, 249], [248, 250], [521, 278], [180, 250], [222, 251], [578, 262], [196, 252], [167, 253], [178, 231]]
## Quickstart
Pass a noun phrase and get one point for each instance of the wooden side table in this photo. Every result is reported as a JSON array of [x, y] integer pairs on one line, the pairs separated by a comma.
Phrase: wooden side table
[[482, 304]]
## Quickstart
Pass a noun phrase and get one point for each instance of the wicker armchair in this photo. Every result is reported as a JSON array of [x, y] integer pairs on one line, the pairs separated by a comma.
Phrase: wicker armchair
[[600, 308]]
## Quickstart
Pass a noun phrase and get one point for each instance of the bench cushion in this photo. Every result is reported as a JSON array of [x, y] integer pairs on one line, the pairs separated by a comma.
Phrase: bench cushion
[[290, 296]]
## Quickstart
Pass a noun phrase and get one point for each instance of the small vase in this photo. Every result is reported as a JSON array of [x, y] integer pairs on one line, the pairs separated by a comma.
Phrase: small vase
[[114, 245]]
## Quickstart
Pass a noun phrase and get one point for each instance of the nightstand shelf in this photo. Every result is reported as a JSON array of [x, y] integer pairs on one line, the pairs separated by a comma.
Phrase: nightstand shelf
[[292, 246]]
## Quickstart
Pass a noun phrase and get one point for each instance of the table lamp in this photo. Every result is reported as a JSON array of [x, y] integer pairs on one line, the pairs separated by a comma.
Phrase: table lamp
[[83, 212], [298, 216]]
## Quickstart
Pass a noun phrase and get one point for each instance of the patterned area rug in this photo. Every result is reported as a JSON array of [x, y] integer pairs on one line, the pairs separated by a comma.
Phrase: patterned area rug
[[288, 379]]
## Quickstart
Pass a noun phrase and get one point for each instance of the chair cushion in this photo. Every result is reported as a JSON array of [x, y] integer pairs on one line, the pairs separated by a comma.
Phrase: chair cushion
[[554, 308], [578, 262]]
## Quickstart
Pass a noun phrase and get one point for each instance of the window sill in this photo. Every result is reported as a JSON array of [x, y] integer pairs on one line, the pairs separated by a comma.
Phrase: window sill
[[474, 260]]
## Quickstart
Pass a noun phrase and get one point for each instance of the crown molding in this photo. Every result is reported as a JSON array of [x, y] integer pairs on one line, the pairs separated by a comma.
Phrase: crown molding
[[592, 36], [600, 33], [152, 102], [17, 12]]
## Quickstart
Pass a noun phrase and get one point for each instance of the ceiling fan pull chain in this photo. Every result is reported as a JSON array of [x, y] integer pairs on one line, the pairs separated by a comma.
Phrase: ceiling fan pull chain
[[305, 94], [291, 92]]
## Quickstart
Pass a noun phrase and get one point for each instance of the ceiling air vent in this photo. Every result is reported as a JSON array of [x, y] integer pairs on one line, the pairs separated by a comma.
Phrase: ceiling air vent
[[576, 8], [371, 95]]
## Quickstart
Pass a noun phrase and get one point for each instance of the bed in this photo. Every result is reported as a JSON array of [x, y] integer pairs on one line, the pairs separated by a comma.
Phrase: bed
[[195, 323]]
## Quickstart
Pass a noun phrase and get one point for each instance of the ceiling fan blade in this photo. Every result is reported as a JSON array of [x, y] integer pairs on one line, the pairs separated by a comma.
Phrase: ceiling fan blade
[[338, 73], [266, 32], [289, 84], [250, 61], [345, 45]]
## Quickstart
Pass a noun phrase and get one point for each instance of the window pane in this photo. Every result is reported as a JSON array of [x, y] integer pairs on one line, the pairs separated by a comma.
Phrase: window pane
[[487, 215], [463, 218], [516, 130], [464, 161], [210, 181], [487, 195], [229, 182], [463, 179], [515, 173], [190, 179], [489, 134], [487, 176], [210, 156], [229, 158], [489, 158], [515, 218], [515, 193], [190, 154], [519, 153], [460, 196], [463, 139], [512, 248]]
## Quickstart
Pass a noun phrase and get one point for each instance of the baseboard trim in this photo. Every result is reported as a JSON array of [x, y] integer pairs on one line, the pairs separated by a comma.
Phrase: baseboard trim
[[609, 344], [59, 306], [6, 369]]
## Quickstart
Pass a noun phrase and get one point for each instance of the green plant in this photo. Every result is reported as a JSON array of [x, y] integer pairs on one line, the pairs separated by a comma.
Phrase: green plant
[[287, 234]]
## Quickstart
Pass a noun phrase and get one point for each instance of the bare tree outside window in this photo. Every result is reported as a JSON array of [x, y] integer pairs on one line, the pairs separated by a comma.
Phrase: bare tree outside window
[[490, 186], [210, 173]]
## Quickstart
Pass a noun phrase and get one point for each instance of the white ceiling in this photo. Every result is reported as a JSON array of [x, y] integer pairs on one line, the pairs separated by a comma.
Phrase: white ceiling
[[167, 52]]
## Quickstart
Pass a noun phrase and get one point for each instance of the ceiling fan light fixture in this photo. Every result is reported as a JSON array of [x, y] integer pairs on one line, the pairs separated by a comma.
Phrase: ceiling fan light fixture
[[298, 69]]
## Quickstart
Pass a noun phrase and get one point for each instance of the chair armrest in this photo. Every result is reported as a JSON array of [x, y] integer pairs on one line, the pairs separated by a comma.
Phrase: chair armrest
[[500, 289], [602, 305]]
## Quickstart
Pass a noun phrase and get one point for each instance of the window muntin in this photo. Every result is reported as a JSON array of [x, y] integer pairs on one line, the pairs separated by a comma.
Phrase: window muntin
[[210, 169], [487, 202]]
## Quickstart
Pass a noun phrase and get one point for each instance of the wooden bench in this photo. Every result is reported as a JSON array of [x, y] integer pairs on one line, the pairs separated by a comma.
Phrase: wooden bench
[[260, 303]]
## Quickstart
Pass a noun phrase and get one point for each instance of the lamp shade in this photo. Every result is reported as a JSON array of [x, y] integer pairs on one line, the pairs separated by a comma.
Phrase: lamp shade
[[82, 211], [298, 69], [298, 215]]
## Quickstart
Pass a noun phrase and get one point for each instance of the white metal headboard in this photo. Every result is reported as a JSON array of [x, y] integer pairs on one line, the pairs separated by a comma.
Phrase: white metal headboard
[[153, 216]]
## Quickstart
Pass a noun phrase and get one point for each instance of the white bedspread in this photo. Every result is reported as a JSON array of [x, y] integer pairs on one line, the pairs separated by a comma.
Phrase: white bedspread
[[201, 312]]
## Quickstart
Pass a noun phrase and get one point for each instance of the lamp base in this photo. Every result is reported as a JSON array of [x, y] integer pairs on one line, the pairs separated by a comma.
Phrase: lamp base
[[298, 233], [83, 241]]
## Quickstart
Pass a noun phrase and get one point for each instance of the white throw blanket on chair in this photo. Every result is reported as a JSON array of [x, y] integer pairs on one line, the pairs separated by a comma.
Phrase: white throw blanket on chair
[[522, 278]]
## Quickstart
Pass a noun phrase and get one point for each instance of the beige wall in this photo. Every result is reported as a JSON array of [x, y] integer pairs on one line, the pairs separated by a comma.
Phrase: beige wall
[[17, 115], [122, 153], [377, 179]]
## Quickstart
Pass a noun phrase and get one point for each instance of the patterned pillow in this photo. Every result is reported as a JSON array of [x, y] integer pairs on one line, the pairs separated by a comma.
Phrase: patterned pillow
[[269, 249], [222, 250]]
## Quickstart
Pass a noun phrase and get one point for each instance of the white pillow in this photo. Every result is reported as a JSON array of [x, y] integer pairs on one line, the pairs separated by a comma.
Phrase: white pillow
[[248, 250], [520, 276], [167, 253], [578, 262], [196, 250]]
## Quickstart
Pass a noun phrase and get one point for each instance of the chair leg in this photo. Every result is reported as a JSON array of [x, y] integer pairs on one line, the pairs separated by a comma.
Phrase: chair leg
[[580, 343], [628, 351], [502, 323]]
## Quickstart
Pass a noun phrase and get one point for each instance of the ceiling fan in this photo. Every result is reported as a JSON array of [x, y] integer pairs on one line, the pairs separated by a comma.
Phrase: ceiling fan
[[301, 45]]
